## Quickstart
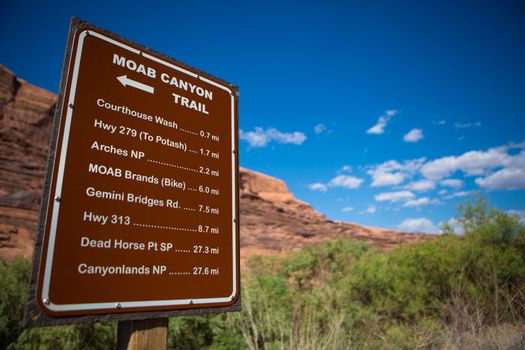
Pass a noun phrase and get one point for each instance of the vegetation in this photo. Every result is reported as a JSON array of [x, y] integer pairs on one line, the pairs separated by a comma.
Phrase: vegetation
[[450, 292]]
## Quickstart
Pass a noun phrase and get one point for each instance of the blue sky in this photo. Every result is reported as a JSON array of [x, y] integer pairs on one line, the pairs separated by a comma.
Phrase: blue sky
[[384, 113]]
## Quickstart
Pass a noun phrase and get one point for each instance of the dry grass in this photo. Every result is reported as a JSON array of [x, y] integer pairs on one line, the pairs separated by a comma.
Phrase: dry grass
[[469, 327], [501, 337]]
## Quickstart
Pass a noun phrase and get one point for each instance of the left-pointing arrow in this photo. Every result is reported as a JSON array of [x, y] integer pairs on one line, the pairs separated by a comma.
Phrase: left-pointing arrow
[[124, 80]]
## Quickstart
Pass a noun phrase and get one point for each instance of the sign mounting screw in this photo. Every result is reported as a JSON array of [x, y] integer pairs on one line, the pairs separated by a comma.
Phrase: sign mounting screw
[[57, 198], [71, 105], [118, 306], [46, 301]]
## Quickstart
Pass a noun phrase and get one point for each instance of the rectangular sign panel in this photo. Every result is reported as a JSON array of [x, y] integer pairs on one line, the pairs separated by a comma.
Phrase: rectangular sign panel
[[143, 195]]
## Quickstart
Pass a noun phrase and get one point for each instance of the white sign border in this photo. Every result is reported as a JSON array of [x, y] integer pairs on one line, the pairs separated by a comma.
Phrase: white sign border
[[47, 302]]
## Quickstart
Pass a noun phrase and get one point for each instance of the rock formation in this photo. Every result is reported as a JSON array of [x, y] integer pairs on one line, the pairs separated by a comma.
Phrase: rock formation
[[272, 219], [26, 115]]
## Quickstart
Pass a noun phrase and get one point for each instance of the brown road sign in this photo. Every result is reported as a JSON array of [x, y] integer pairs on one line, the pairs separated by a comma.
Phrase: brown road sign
[[142, 203]]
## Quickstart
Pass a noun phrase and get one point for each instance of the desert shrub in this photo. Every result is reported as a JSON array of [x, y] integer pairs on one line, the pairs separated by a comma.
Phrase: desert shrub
[[14, 277], [94, 336], [190, 332], [494, 262], [409, 283], [489, 225], [402, 299], [449, 292]]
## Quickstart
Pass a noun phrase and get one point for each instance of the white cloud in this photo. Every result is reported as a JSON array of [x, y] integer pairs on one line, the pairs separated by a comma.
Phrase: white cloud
[[383, 120], [504, 179], [497, 168], [442, 192], [346, 181], [418, 225], [393, 173], [421, 185], [346, 168], [440, 122], [458, 195], [471, 163], [518, 161], [394, 196], [420, 202], [454, 183], [318, 187], [413, 135], [347, 209], [371, 209], [387, 179], [320, 128], [260, 137], [467, 125], [378, 128], [515, 145]]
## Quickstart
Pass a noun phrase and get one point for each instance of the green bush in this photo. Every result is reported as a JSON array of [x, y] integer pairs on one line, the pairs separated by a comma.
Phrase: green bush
[[410, 283], [446, 292], [405, 298], [93, 336], [14, 278]]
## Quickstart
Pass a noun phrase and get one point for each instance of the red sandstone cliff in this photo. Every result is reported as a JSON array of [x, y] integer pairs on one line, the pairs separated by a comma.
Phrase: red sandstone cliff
[[272, 219], [26, 114]]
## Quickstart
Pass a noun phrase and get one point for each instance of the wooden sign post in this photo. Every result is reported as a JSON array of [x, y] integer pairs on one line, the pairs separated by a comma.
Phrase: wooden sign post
[[143, 335]]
